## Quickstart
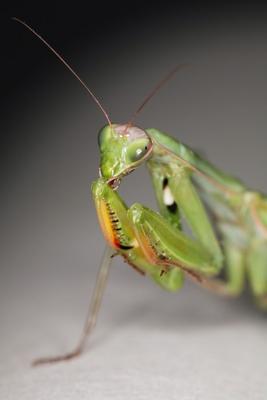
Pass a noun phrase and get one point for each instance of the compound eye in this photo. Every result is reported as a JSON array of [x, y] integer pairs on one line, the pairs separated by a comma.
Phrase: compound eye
[[138, 149], [138, 141], [100, 137], [104, 136]]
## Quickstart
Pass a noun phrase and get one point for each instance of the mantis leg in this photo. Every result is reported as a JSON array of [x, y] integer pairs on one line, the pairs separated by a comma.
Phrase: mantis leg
[[167, 205], [191, 205], [169, 248], [193, 209], [92, 312], [257, 271], [235, 273], [175, 192]]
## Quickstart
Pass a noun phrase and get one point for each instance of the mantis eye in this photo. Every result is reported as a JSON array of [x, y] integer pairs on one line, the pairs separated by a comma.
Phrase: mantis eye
[[138, 142], [104, 136], [138, 149], [100, 137]]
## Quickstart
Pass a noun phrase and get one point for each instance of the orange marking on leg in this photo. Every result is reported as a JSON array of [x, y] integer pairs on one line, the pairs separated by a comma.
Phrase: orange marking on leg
[[106, 224]]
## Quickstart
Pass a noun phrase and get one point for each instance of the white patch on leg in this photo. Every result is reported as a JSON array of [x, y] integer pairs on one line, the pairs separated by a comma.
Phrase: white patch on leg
[[168, 199]]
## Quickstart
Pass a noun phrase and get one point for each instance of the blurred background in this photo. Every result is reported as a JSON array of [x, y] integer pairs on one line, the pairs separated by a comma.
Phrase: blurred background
[[51, 244]]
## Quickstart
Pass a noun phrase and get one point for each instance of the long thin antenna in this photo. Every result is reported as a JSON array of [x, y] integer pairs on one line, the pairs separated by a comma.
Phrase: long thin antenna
[[155, 90], [66, 65]]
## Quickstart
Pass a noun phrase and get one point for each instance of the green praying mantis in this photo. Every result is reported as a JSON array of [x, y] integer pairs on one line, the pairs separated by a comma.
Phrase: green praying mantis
[[228, 221]]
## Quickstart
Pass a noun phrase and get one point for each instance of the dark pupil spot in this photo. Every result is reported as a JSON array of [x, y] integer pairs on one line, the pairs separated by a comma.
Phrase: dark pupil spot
[[139, 153]]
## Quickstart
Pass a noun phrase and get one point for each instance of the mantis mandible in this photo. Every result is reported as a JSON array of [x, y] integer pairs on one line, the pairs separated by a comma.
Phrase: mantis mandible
[[228, 221]]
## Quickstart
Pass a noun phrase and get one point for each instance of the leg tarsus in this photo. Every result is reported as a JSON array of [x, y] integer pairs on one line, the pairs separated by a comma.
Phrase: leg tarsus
[[55, 359], [217, 286]]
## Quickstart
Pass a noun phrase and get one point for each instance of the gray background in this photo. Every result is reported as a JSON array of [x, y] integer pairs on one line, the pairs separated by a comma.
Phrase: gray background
[[148, 343]]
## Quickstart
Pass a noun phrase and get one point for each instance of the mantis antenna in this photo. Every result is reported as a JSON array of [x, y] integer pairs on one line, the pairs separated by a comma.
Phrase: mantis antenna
[[66, 65], [155, 90]]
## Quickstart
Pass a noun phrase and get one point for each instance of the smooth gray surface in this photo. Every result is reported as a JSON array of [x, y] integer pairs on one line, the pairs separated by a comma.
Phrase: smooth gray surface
[[148, 344]]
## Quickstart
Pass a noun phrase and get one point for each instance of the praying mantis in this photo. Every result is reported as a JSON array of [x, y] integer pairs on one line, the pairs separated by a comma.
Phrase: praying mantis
[[227, 220]]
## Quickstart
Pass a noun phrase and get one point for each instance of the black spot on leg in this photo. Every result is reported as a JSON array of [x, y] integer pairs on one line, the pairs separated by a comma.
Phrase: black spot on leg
[[164, 183], [123, 247], [172, 208]]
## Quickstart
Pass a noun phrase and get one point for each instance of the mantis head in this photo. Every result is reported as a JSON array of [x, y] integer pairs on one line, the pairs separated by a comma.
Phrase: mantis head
[[122, 149]]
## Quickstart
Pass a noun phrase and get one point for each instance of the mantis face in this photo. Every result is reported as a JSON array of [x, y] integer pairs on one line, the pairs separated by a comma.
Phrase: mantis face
[[122, 149]]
